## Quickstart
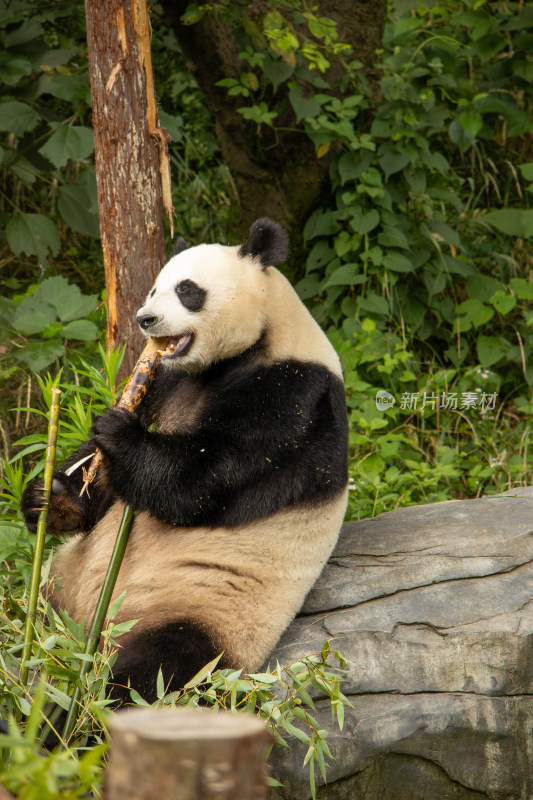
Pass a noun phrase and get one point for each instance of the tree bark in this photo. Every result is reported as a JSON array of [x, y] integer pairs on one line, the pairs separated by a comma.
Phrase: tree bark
[[190, 754], [275, 174], [130, 162]]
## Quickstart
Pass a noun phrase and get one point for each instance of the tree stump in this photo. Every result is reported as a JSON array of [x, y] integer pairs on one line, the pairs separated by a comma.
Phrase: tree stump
[[433, 605], [186, 754]]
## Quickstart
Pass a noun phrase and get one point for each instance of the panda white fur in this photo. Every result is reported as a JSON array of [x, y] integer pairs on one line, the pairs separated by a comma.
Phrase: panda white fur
[[241, 489]]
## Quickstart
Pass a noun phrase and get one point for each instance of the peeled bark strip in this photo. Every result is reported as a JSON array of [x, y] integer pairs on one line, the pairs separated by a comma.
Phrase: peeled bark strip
[[186, 754], [130, 160]]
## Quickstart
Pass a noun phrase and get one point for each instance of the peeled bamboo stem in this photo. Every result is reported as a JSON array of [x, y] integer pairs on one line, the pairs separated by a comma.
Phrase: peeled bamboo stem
[[41, 534], [134, 391]]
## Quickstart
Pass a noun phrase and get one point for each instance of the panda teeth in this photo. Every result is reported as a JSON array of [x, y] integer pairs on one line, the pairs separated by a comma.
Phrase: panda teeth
[[178, 344]]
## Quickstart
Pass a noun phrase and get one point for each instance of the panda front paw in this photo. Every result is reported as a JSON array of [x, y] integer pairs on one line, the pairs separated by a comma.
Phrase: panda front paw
[[115, 430], [65, 512]]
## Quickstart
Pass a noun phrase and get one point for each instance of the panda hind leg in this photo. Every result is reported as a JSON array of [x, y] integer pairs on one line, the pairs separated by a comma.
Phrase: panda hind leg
[[179, 649]]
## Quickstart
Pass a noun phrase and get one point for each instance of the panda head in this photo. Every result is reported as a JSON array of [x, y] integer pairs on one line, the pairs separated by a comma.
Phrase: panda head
[[212, 300]]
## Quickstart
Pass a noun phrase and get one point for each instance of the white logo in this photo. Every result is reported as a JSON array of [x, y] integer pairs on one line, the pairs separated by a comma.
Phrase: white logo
[[384, 400]]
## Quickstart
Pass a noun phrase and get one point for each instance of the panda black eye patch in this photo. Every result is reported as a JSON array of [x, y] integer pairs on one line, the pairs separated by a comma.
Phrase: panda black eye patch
[[192, 297]]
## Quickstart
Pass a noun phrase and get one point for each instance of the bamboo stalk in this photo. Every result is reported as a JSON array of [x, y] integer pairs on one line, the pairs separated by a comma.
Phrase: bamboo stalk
[[134, 391], [100, 612], [40, 535]]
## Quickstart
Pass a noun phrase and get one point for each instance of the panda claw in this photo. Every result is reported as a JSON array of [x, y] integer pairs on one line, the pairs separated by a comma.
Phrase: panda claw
[[57, 486]]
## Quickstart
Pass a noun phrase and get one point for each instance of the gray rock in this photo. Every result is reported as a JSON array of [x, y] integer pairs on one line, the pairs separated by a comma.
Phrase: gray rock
[[433, 606]]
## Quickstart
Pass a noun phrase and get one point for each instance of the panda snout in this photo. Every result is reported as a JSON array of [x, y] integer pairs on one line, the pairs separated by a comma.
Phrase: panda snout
[[146, 320]]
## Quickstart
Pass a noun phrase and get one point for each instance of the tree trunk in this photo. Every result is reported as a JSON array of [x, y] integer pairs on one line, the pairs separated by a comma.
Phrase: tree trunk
[[185, 753], [131, 160], [275, 173]]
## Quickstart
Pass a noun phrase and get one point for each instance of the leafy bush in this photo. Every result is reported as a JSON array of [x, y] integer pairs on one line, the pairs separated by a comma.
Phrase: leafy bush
[[45, 159], [35, 327], [420, 259]]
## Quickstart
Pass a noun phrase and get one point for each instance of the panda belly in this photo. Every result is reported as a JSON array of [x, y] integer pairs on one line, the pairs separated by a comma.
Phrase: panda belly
[[241, 585]]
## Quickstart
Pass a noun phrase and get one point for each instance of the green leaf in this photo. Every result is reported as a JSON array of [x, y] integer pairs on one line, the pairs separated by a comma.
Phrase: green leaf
[[522, 288], [192, 14], [264, 677], [527, 170], [277, 71], [160, 685], [172, 124], [67, 141], [12, 70], [503, 302], [69, 87], [459, 136], [374, 304], [473, 312], [17, 117], [320, 223], [7, 312], [73, 204], [520, 21], [32, 234], [33, 316], [115, 605], [39, 355], [137, 699], [482, 287], [471, 122], [66, 298], [82, 329], [445, 233], [320, 255], [347, 275], [365, 222], [391, 161], [491, 349], [393, 237], [30, 29], [304, 107], [434, 278], [294, 731], [123, 627], [397, 262], [512, 221], [203, 673], [50, 642], [309, 286]]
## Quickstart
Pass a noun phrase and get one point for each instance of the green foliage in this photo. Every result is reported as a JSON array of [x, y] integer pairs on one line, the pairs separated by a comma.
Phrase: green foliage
[[421, 254], [445, 433], [44, 161], [281, 697], [200, 181], [35, 327]]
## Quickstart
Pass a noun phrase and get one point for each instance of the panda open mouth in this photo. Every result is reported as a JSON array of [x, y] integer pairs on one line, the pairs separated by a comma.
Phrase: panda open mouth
[[178, 345]]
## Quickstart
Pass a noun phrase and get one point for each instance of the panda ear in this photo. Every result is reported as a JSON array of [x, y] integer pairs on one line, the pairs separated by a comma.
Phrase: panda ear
[[178, 247], [267, 241]]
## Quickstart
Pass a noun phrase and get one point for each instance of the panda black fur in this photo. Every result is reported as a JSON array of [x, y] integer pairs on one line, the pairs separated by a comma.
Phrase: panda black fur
[[239, 492]]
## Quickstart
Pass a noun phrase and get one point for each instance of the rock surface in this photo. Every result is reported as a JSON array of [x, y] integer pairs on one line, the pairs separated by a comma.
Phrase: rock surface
[[433, 605]]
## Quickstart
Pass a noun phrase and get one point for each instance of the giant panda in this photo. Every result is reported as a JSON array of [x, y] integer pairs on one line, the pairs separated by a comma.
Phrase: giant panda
[[235, 464]]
